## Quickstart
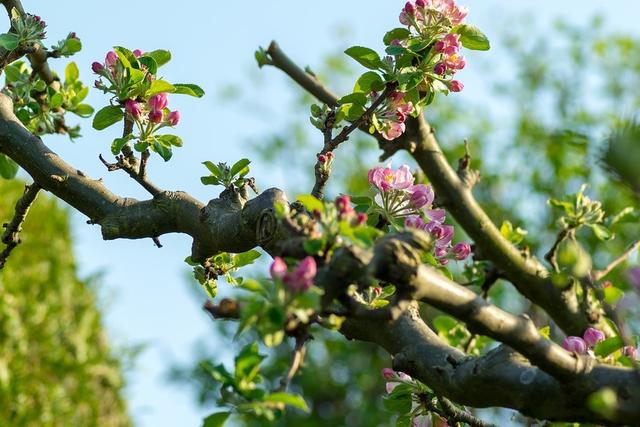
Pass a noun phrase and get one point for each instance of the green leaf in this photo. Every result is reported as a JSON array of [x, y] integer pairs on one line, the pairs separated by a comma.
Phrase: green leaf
[[71, 72], [210, 180], [311, 203], [118, 143], [188, 89], [9, 41], [163, 150], [444, 323], [357, 98], [107, 116], [368, 58], [369, 81], [246, 258], [160, 56], [472, 38], [239, 166], [8, 168], [71, 46], [601, 232], [262, 57], [396, 34], [608, 346], [159, 86], [125, 56], [213, 168], [409, 78], [313, 246], [288, 399], [56, 100], [248, 362], [150, 63], [216, 420], [174, 140], [83, 110]]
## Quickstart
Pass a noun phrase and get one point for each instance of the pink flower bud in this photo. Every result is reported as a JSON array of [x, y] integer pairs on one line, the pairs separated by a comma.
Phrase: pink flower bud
[[410, 8], [322, 158], [301, 279], [111, 59], [414, 221], [377, 291], [98, 84], [630, 351], [155, 116], [593, 336], [173, 118], [137, 53], [343, 204], [574, 345], [278, 268], [133, 108], [421, 195], [421, 3], [361, 218], [461, 251], [330, 155], [158, 102], [388, 373], [97, 67], [73, 35], [456, 86], [440, 68]]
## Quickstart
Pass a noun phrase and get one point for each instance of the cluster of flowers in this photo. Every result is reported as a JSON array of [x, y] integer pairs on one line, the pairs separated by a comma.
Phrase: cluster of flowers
[[398, 197], [153, 112], [434, 19], [347, 213], [590, 338], [394, 379], [298, 280], [28, 27], [392, 114]]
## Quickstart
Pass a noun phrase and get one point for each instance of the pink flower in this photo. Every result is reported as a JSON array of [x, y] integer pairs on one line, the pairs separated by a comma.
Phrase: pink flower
[[593, 336], [385, 178], [158, 101], [173, 118], [393, 131], [387, 373], [410, 8], [574, 345], [461, 251], [414, 221], [343, 204], [97, 67], [630, 351], [111, 59], [456, 86], [449, 44], [392, 384], [301, 279], [421, 3], [133, 108], [278, 268], [440, 252], [442, 233], [361, 218], [137, 53], [155, 116], [421, 195], [403, 178], [455, 62], [437, 215], [440, 68]]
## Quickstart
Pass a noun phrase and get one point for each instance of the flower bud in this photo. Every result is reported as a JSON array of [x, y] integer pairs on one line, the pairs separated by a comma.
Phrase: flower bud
[[343, 204], [278, 268], [155, 116], [133, 108], [421, 3], [173, 118], [388, 374], [593, 336], [97, 67], [461, 251], [410, 8], [630, 351], [361, 218], [440, 68], [301, 279], [456, 86], [421, 195], [158, 102], [137, 53], [322, 158], [330, 155], [111, 59], [574, 345]]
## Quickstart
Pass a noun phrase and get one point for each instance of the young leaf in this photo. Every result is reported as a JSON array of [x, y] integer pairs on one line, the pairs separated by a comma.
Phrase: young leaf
[[396, 34], [608, 346], [174, 140], [472, 38], [159, 86], [239, 166], [163, 150], [107, 116], [369, 81], [358, 98], [9, 41], [160, 56], [288, 399], [365, 56], [83, 110], [210, 180], [213, 168], [311, 203], [118, 143], [188, 89], [71, 72], [8, 168], [216, 420], [246, 258]]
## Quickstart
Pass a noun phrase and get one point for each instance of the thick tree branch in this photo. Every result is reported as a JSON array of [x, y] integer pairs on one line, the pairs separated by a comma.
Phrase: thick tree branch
[[600, 274]]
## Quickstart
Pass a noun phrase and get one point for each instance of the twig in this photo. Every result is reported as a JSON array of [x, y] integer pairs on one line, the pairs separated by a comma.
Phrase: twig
[[600, 274], [457, 415], [11, 236], [296, 362], [552, 255]]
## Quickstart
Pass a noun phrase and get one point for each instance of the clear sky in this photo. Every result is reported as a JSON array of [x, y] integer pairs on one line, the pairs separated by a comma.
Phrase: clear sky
[[144, 291]]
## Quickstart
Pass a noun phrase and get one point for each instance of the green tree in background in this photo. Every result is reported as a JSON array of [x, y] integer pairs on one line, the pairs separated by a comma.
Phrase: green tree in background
[[56, 367]]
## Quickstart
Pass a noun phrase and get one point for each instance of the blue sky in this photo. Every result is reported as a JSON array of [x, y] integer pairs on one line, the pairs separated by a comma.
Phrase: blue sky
[[144, 292]]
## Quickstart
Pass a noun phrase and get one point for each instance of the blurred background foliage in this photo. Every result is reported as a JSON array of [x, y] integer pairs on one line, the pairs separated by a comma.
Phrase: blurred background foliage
[[551, 100], [56, 366]]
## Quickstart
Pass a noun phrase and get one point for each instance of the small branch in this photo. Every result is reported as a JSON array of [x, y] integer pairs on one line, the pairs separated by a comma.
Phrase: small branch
[[11, 235], [552, 255], [459, 416], [296, 362], [600, 274], [227, 309], [144, 158]]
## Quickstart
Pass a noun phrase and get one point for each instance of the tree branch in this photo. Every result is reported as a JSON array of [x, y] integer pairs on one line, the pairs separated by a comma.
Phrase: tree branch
[[600, 274], [11, 235]]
